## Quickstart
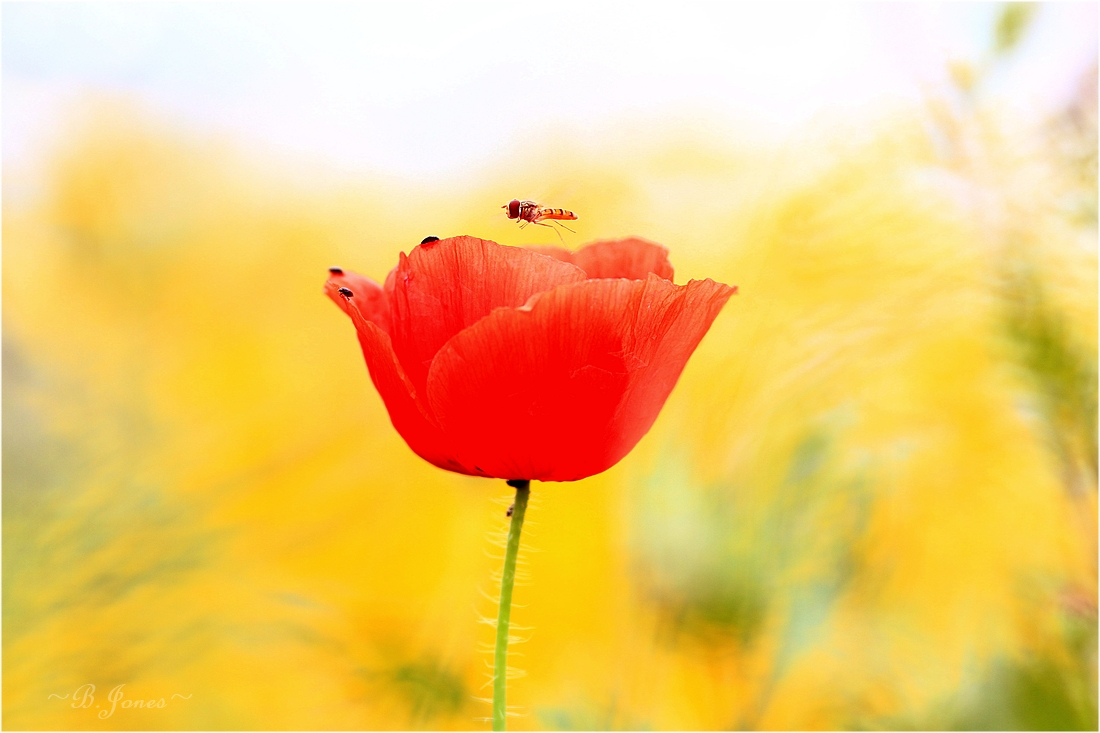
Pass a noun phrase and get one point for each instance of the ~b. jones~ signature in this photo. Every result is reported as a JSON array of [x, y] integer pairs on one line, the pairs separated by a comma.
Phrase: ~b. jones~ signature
[[84, 697]]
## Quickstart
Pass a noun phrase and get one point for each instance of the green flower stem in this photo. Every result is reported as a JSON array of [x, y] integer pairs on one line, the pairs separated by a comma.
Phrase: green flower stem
[[504, 615]]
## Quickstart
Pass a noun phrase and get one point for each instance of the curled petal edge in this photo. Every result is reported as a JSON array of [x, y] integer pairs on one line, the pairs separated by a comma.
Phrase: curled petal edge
[[371, 301], [408, 414]]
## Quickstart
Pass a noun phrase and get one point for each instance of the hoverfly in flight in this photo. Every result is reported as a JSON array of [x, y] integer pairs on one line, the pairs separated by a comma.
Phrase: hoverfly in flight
[[528, 212]]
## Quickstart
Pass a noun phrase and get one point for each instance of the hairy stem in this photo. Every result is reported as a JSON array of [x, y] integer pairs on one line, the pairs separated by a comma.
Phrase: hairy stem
[[504, 615]]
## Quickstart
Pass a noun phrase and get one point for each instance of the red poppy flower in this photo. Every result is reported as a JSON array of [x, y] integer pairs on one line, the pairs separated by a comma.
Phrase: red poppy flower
[[527, 363]]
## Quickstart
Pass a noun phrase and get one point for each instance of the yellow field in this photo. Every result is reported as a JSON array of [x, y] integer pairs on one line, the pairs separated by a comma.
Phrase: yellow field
[[870, 501]]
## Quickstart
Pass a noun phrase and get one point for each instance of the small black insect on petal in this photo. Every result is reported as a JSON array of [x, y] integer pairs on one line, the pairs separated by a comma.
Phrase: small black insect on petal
[[511, 509], [336, 270], [429, 240], [345, 292]]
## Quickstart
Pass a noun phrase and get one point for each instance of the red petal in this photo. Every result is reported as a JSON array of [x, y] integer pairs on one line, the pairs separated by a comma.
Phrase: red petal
[[564, 387], [407, 413], [443, 288], [370, 300], [632, 258]]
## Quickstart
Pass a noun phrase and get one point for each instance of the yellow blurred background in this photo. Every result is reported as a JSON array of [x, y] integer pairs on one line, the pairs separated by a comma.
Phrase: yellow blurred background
[[871, 501]]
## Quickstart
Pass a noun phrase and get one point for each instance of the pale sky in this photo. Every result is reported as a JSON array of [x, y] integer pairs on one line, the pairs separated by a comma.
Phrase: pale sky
[[426, 88]]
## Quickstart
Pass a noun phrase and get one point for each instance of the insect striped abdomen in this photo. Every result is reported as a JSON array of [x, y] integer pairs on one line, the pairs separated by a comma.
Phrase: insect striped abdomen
[[557, 214]]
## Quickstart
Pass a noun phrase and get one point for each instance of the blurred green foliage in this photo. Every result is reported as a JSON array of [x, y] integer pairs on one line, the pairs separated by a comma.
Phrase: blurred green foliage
[[726, 562], [586, 715], [1063, 373], [1013, 19], [429, 689]]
